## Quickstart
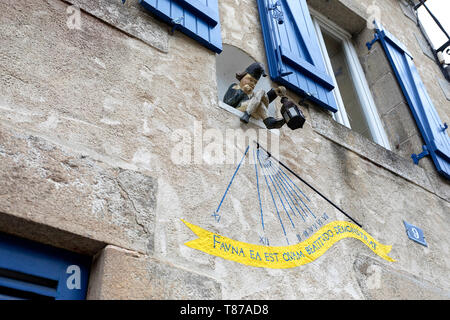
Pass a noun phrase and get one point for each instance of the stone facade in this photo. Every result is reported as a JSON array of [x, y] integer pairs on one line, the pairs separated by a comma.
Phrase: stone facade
[[87, 123]]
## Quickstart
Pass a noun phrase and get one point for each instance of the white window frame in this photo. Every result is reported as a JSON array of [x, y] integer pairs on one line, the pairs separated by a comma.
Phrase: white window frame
[[362, 87]]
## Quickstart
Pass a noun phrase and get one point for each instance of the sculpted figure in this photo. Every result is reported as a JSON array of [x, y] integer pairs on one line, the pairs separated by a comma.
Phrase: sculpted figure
[[242, 96]]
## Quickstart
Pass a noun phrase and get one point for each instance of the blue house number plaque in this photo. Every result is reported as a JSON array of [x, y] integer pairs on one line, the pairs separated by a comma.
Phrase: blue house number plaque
[[415, 233]]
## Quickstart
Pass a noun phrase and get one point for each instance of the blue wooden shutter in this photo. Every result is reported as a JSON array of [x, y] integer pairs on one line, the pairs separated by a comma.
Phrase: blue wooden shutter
[[293, 51], [437, 141], [29, 270], [199, 19]]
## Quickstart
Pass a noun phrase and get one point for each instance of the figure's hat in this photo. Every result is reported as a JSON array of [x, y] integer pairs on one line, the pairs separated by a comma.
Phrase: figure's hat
[[256, 70]]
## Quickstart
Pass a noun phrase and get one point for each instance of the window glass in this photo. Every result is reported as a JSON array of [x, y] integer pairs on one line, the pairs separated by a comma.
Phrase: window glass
[[346, 85], [440, 9]]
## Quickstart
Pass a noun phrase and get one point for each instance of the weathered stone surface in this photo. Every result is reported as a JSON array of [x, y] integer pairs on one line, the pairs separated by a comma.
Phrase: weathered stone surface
[[110, 95], [445, 86], [130, 18], [379, 281], [374, 62], [424, 46], [387, 93], [151, 279], [440, 184], [43, 183], [399, 123], [407, 10], [241, 27]]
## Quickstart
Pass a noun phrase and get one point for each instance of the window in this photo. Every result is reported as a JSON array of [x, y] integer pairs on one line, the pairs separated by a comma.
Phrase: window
[[29, 270], [434, 24], [297, 55], [426, 13], [356, 108]]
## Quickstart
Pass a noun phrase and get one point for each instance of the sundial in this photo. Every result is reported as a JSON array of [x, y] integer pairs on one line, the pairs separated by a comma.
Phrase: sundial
[[302, 234]]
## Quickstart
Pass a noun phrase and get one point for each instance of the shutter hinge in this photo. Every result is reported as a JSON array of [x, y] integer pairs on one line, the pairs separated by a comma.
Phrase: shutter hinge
[[371, 43], [416, 157], [277, 14], [176, 23]]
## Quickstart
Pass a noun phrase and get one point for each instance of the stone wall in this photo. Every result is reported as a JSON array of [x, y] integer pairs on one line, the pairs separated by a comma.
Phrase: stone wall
[[88, 123]]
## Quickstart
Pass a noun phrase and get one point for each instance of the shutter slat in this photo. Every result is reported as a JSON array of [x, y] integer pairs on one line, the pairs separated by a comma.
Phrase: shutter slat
[[307, 44], [200, 10], [198, 19], [164, 6], [307, 68], [27, 287]]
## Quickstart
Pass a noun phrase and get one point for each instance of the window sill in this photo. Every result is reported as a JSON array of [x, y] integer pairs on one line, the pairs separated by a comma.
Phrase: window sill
[[324, 125], [253, 121]]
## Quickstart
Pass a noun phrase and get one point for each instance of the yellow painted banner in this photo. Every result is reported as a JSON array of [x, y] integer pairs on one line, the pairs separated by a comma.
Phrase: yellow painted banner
[[287, 256]]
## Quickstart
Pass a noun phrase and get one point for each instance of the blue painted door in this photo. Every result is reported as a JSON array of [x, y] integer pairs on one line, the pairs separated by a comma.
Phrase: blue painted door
[[29, 270], [293, 51]]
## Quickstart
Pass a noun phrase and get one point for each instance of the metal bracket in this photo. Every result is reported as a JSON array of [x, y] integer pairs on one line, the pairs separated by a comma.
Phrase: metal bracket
[[176, 23], [280, 66], [277, 14], [371, 43], [284, 74], [416, 158]]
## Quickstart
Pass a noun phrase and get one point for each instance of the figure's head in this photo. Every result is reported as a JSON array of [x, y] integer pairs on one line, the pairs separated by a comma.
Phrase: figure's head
[[250, 77], [248, 83]]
